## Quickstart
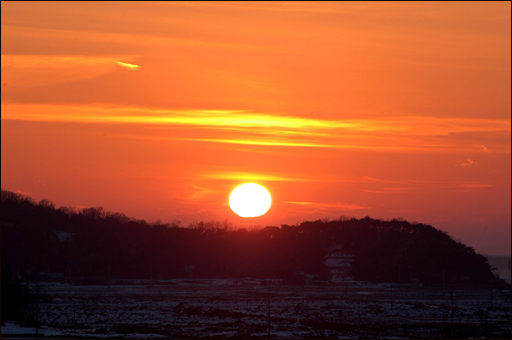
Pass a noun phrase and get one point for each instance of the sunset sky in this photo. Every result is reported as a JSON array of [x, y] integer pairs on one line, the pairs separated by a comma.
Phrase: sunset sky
[[159, 110]]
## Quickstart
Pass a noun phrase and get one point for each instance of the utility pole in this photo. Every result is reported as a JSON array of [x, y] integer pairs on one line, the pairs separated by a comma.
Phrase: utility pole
[[359, 314], [444, 319], [391, 297], [444, 280], [453, 310], [37, 289], [268, 314], [37, 315], [74, 311], [303, 298], [491, 298], [303, 310]]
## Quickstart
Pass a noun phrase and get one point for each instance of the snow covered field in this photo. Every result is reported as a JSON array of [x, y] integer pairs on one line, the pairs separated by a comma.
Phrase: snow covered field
[[256, 308]]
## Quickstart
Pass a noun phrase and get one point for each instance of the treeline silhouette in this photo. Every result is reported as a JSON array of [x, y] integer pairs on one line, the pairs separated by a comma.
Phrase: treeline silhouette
[[92, 245]]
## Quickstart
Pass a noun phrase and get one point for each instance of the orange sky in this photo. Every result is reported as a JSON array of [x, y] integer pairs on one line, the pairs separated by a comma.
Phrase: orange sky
[[158, 110]]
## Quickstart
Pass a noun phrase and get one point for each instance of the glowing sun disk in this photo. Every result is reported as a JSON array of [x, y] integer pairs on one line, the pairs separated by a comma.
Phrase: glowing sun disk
[[250, 200]]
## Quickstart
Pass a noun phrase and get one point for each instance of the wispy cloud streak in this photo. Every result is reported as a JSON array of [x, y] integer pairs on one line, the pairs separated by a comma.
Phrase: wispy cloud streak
[[325, 206], [247, 176], [127, 65], [237, 176], [36, 70], [477, 186], [266, 129]]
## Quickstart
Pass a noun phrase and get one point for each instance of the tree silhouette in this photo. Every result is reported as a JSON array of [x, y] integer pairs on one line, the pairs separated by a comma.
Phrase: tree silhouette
[[96, 246]]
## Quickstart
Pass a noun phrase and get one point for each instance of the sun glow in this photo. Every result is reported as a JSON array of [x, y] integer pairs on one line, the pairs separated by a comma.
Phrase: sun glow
[[250, 200]]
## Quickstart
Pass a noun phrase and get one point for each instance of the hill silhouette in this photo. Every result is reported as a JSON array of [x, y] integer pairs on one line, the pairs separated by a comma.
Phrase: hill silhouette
[[92, 245]]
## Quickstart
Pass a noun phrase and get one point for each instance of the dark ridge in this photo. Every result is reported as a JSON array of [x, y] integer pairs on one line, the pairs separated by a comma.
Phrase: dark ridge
[[94, 246]]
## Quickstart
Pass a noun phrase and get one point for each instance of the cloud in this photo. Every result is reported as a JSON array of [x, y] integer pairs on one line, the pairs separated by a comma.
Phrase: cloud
[[411, 126], [127, 65], [200, 192], [476, 186], [399, 190], [328, 206], [244, 176], [310, 7], [21, 71], [24, 193], [467, 162], [469, 187], [380, 180], [404, 134]]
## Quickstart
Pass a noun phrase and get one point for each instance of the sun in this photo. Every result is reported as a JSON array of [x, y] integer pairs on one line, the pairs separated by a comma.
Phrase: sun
[[250, 200]]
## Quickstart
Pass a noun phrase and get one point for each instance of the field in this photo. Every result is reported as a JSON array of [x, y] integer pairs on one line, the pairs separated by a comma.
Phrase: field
[[268, 309]]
